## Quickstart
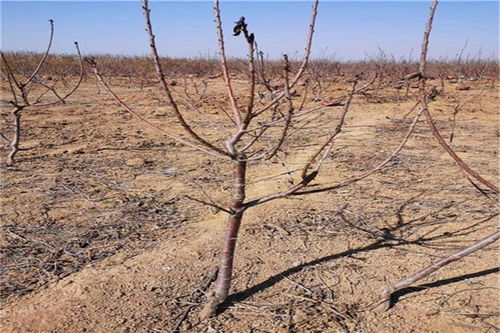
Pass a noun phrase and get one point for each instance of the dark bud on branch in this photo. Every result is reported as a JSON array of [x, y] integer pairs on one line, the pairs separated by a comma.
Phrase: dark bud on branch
[[286, 65], [239, 27]]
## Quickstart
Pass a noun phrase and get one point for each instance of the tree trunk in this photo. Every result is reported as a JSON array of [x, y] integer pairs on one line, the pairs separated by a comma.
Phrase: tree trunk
[[17, 135], [223, 282]]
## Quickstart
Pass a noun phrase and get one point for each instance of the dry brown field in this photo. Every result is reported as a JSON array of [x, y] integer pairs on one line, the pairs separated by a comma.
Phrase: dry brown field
[[98, 235]]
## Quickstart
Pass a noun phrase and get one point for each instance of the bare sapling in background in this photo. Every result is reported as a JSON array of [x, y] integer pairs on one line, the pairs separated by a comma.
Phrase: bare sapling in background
[[30, 92], [259, 130]]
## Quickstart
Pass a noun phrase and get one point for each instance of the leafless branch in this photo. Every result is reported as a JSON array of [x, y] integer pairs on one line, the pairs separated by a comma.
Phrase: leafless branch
[[164, 84], [423, 101], [211, 204], [44, 57], [223, 59], [303, 65], [100, 78], [332, 136], [389, 290]]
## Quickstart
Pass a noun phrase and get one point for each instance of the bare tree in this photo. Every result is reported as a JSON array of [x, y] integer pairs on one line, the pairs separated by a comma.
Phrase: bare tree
[[20, 88], [261, 131]]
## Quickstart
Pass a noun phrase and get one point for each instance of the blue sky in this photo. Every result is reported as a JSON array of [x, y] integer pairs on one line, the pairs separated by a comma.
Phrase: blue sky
[[345, 30]]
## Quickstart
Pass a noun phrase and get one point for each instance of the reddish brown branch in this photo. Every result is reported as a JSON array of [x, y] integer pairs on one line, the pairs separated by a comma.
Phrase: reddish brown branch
[[61, 99], [332, 136], [289, 115], [379, 167], [223, 59], [141, 118], [423, 100], [164, 84], [305, 181], [460, 163], [209, 204], [303, 65], [44, 57]]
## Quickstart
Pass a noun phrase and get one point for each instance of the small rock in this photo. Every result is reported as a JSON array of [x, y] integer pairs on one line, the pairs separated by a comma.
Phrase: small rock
[[462, 86], [210, 329], [432, 312], [134, 162], [161, 112], [75, 150], [168, 172]]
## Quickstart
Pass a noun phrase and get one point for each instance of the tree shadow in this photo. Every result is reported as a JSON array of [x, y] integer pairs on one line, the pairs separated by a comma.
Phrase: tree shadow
[[271, 281], [383, 238], [395, 296]]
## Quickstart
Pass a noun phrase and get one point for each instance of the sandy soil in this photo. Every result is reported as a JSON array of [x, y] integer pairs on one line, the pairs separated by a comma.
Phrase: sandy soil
[[98, 236]]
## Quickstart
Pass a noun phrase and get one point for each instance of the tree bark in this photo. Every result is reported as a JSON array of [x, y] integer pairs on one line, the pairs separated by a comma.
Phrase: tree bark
[[223, 282], [17, 135]]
